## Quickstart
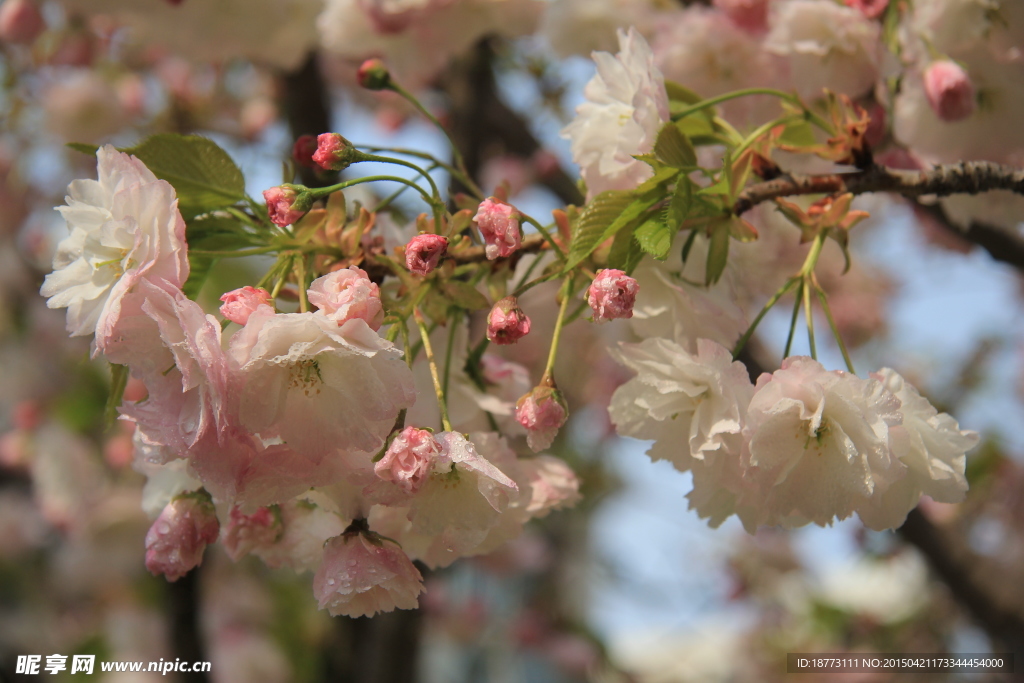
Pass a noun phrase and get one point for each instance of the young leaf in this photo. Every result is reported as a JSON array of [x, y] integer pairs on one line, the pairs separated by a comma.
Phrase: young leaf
[[680, 93], [203, 175], [718, 253], [655, 237], [83, 148], [598, 215], [625, 253], [673, 148]]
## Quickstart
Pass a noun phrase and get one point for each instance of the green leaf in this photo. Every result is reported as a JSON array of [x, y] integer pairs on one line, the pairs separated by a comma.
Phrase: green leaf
[[83, 148], [673, 148], [118, 381], [679, 206], [598, 215], [798, 134], [718, 254], [219, 233], [199, 271], [653, 184], [203, 175], [655, 237], [680, 93], [626, 253], [689, 245], [464, 295]]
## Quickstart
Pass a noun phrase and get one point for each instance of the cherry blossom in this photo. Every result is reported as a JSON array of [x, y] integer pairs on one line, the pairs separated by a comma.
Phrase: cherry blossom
[[348, 294], [177, 539], [363, 574]]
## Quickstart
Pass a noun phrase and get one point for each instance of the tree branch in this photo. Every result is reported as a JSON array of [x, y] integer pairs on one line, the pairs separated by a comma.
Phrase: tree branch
[[969, 177], [1002, 245]]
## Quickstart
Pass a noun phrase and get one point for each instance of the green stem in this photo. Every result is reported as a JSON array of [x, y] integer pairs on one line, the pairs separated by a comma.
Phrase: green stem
[[736, 94], [409, 356], [456, 154], [808, 314], [792, 321], [767, 307], [438, 389], [456, 173], [300, 276], [281, 278], [319, 192], [832, 324], [256, 251], [547, 236], [407, 164], [752, 138], [566, 292], [453, 327]]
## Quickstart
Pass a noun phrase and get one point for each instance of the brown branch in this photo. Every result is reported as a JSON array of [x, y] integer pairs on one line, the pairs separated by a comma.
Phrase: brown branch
[[970, 177], [531, 243], [1003, 245]]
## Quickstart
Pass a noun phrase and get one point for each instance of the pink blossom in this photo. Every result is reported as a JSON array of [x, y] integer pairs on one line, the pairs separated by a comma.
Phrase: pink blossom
[[362, 574], [346, 294], [332, 151], [424, 252], [177, 539], [247, 532], [286, 205], [302, 151], [542, 412], [872, 9], [750, 15], [409, 459], [612, 295], [506, 323], [499, 225], [949, 90], [240, 303], [20, 21]]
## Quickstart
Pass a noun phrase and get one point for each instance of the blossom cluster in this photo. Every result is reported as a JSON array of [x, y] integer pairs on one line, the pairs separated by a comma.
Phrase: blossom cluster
[[802, 445], [274, 434]]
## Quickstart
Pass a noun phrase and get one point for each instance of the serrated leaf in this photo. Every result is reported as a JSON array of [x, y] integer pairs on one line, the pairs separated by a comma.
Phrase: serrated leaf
[[625, 253], [719, 187], [679, 206], [661, 176], [595, 218], [718, 254], [688, 245], [655, 238], [464, 295], [83, 148], [673, 148], [203, 175]]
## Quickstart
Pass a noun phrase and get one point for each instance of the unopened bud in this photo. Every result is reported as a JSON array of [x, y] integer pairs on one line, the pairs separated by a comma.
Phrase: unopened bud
[[872, 9], [506, 323], [334, 152], [409, 459], [542, 412], [177, 539], [303, 149], [240, 303], [373, 75], [424, 252], [612, 295], [499, 225], [286, 204], [949, 90]]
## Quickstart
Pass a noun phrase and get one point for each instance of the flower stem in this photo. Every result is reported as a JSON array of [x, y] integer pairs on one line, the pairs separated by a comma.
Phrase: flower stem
[[438, 389], [810, 319], [547, 236], [566, 292], [832, 323], [300, 275], [767, 307], [736, 94], [454, 323], [792, 321]]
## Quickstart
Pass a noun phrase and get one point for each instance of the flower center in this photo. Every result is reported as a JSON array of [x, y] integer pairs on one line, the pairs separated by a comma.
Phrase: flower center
[[305, 375]]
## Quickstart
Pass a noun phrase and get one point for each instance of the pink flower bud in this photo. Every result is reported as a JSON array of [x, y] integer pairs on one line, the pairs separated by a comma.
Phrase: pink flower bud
[[239, 304], [177, 539], [346, 294], [409, 459], [872, 9], [303, 149], [20, 21], [333, 152], [542, 412], [949, 90], [612, 295], [362, 574], [506, 323], [749, 15], [373, 75], [286, 205], [424, 252], [499, 225], [245, 532]]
